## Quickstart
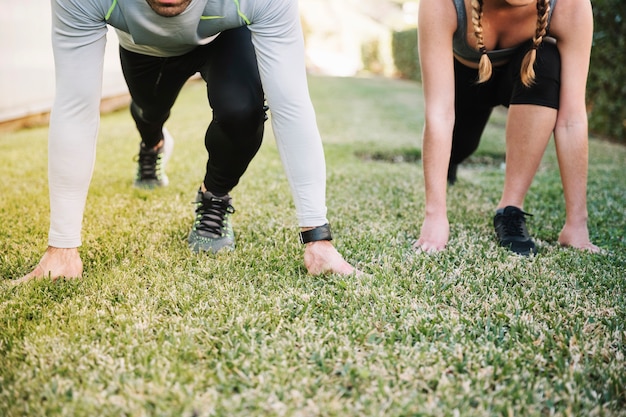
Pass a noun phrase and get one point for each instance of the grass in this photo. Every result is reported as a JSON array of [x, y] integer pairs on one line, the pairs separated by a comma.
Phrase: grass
[[155, 330]]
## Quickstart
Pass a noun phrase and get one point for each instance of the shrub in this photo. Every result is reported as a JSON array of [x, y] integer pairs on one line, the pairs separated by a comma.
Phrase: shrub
[[370, 55], [405, 57], [606, 87]]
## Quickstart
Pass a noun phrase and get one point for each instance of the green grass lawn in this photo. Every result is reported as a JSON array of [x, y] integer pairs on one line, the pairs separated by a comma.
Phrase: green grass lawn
[[153, 330]]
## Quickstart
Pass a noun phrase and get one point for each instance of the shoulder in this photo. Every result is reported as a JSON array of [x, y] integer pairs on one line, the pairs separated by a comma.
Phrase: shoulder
[[441, 11], [446, 7], [438, 15], [82, 10], [275, 18], [569, 16], [571, 19], [266, 9]]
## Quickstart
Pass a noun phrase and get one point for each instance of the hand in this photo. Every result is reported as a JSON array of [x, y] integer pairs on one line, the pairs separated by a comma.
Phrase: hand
[[321, 257], [577, 236], [434, 234], [56, 263]]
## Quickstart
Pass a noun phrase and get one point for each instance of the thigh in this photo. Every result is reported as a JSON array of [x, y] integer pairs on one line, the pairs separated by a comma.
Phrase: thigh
[[473, 106], [545, 91], [155, 82], [232, 75]]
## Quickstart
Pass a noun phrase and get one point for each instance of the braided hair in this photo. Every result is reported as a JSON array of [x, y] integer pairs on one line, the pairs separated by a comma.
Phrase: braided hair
[[484, 65], [527, 71]]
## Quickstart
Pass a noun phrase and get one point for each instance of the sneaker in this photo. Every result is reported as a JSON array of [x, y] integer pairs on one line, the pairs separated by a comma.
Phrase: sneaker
[[151, 164], [510, 225], [212, 229]]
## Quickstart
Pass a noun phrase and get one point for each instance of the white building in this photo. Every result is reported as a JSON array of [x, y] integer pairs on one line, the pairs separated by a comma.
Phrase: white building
[[27, 65]]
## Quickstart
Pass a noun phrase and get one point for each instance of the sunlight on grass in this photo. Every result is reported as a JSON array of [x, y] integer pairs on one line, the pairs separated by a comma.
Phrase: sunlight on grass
[[155, 330]]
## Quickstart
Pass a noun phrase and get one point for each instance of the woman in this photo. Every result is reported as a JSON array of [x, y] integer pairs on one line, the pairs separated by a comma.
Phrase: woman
[[529, 55]]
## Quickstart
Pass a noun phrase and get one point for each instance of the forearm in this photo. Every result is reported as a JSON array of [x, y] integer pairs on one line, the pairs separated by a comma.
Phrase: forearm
[[73, 127], [302, 155], [280, 55], [299, 145], [71, 155], [435, 158], [572, 153]]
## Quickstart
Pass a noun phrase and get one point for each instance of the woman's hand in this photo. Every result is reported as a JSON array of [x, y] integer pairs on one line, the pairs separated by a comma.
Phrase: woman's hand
[[434, 234]]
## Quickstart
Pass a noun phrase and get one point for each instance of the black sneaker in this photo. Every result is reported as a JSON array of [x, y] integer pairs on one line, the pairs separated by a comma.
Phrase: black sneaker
[[212, 229], [151, 164], [510, 225]]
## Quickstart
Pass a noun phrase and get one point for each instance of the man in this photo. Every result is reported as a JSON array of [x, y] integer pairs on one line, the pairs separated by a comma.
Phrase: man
[[182, 37]]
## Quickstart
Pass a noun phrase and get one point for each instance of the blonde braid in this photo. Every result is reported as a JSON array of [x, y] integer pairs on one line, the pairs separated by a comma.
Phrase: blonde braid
[[484, 65], [527, 71]]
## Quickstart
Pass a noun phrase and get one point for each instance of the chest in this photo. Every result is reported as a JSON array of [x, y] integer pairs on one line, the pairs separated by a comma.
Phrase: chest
[[503, 27], [201, 21]]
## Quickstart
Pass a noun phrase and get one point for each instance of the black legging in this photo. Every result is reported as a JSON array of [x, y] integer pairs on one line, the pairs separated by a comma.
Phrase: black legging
[[228, 65], [474, 102]]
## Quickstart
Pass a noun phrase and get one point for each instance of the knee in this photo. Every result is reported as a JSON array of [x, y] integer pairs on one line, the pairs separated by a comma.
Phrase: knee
[[461, 150], [239, 112], [240, 118]]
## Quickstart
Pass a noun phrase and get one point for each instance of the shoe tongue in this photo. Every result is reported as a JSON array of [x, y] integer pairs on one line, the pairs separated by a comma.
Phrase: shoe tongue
[[148, 149], [207, 195], [511, 210]]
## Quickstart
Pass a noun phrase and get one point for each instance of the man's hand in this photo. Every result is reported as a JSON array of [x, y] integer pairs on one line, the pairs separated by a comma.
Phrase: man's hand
[[321, 257], [56, 263], [434, 234]]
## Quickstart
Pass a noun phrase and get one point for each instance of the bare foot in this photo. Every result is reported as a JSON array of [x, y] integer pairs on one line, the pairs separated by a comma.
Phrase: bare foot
[[577, 237], [56, 263], [588, 246], [321, 257]]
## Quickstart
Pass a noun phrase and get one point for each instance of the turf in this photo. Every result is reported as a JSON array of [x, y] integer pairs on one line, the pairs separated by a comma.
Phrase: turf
[[154, 330]]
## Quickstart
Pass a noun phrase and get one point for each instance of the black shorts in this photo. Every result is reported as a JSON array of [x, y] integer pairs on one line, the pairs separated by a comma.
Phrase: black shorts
[[474, 102]]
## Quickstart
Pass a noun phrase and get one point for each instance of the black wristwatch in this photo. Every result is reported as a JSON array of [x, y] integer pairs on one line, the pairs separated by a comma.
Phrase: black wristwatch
[[316, 234]]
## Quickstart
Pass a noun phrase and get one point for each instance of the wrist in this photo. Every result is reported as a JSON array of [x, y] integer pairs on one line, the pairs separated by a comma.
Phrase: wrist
[[436, 211], [315, 234]]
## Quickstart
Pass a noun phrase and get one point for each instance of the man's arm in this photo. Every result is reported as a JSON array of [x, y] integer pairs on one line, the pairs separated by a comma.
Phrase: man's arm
[[279, 45], [78, 42]]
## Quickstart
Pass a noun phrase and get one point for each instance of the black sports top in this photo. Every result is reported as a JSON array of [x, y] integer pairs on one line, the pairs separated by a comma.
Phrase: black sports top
[[463, 50]]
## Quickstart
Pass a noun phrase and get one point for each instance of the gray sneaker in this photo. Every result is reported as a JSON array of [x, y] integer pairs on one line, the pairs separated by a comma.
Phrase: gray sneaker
[[212, 229], [151, 164]]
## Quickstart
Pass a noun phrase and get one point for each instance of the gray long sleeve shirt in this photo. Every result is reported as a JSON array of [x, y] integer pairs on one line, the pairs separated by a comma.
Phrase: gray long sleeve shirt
[[79, 30]]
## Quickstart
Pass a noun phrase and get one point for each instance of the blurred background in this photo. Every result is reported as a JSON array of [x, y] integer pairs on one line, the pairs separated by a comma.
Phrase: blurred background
[[343, 38]]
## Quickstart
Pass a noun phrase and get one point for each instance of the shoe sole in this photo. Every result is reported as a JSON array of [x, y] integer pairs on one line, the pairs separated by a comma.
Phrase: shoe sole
[[198, 247], [528, 252]]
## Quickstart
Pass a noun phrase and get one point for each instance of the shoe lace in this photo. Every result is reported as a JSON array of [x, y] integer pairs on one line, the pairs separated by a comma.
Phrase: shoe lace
[[515, 223], [211, 214], [149, 163]]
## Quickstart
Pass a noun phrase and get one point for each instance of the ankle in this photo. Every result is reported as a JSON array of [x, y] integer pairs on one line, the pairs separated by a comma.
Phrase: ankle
[[577, 221], [159, 145], [156, 147]]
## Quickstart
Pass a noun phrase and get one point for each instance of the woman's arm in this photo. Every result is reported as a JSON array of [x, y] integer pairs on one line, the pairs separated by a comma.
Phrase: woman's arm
[[437, 22], [572, 26]]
